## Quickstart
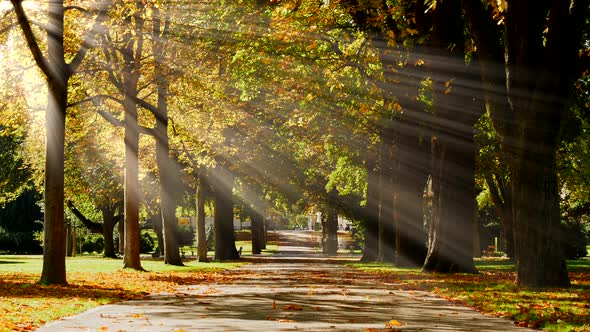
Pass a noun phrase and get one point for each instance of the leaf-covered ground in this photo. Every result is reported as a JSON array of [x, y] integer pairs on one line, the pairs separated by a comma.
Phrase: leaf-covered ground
[[26, 305], [494, 292]]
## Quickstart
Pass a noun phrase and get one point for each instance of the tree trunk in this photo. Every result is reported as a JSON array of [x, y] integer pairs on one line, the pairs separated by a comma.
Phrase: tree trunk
[[502, 200], [257, 229], [331, 232], [371, 217], [535, 76], [201, 230], [121, 228], [157, 222], [410, 234], [453, 147], [225, 245], [168, 170], [109, 220], [263, 235], [133, 44], [539, 257], [70, 246], [386, 200]]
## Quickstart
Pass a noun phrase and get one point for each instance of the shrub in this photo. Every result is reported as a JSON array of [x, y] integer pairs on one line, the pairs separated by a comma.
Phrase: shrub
[[146, 243], [574, 240]]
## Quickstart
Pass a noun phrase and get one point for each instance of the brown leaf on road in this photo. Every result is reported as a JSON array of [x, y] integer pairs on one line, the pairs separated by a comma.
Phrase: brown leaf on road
[[292, 307]]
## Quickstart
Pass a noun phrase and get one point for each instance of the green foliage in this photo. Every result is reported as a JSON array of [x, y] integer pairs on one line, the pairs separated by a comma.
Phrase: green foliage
[[299, 221], [90, 244], [574, 239], [210, 237], [14, 173]]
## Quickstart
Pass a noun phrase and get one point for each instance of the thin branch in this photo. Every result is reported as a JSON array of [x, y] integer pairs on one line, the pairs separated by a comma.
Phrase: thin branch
[[78, 8], [8, 27], [88, 42], [30, 38]]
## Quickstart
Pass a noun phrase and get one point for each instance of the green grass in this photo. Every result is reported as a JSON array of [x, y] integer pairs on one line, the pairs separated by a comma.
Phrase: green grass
[[93, 280], [91, 263]]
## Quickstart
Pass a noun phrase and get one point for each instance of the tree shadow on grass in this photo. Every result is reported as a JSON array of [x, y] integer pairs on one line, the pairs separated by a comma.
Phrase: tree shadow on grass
[[26, 286], [11, 262]]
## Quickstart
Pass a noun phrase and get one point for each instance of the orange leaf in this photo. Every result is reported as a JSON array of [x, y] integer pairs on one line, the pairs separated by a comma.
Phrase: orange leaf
[[292, 307], [393, 323]]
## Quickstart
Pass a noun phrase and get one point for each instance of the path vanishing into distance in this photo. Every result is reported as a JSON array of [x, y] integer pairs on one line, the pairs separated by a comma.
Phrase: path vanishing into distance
[[296, 289]]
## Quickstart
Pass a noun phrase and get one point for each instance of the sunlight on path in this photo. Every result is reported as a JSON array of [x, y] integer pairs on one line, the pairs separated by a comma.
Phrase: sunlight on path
[[294, 290]]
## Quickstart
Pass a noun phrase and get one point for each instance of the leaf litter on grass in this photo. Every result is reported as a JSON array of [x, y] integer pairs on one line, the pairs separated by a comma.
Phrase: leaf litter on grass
[[26, 305]]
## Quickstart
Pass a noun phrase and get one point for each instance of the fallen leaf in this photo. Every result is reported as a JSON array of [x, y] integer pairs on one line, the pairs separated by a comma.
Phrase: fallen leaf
[[292, 307], [393, 323]]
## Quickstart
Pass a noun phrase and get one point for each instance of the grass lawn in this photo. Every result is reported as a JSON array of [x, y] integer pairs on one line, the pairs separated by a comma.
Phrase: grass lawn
[[493, 291], [25, 305]]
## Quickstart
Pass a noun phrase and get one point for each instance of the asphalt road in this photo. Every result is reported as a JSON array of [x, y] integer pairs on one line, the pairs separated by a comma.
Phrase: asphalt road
[[297, 289]]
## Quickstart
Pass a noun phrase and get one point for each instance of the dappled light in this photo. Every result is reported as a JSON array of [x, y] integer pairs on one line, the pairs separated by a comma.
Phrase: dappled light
[[405, 139]]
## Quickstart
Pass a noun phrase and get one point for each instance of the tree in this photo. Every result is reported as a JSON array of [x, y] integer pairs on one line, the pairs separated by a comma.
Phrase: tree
[[527, 103], [57, 73], [105, 228], [456, 110], [222, 181]]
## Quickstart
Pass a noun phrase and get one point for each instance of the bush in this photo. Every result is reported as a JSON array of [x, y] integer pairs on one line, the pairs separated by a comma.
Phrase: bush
[[92, 244], [146, 243], [210, 231], [186, 235], [574, 240], [20, 220]]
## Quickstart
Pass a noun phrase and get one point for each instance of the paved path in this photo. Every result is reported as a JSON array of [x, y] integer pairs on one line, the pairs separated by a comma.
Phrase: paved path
[[294, 290]]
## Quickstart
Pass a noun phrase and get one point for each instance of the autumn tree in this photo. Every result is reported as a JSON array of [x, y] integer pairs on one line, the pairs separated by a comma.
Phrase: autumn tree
[[57, 72], [528, 78]]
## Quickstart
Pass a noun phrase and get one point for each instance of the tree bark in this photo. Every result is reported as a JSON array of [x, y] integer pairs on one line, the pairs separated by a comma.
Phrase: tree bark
[[201, 230], [168, 170], [535, 77], [133, 44], [157, 223], [257, 221], [225, 245], [453, 147], [371, 215], [386, 199], [54, 246], [109, 220], [121, 228]]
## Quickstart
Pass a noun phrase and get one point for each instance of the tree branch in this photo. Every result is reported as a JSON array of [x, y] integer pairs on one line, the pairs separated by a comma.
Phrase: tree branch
[[88, 42], [30, 38], [91, 225]]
